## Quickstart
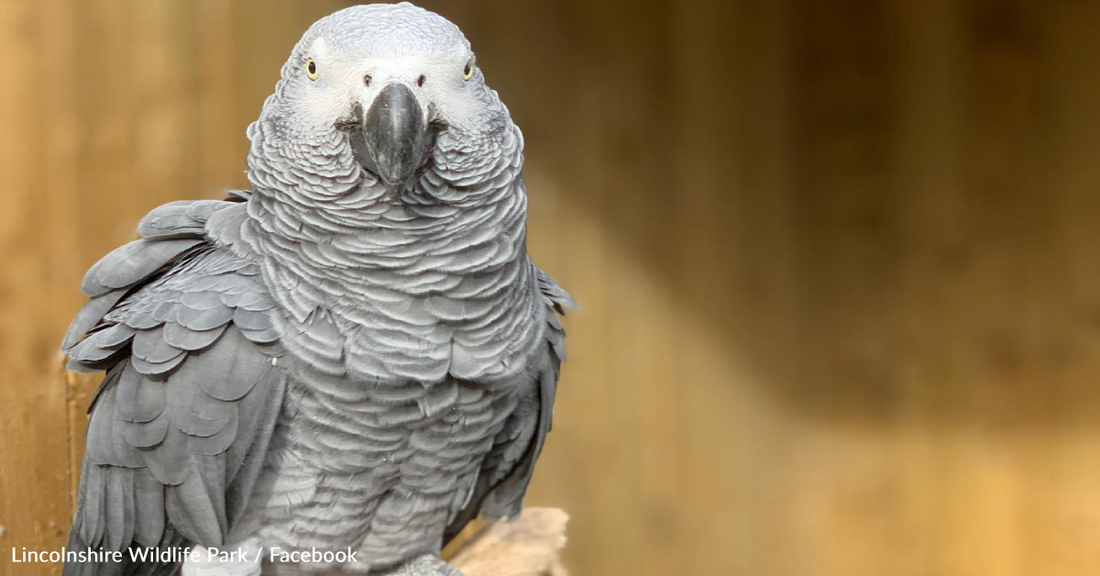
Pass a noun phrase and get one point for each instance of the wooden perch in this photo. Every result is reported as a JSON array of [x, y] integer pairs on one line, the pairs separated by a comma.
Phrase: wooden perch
[[526, 546]]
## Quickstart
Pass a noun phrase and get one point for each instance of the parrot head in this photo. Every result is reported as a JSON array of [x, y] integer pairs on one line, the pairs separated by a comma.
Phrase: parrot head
[[386, 89]]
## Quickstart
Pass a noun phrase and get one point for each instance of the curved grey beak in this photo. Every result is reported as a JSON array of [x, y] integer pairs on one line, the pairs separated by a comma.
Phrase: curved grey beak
[[394, 140]]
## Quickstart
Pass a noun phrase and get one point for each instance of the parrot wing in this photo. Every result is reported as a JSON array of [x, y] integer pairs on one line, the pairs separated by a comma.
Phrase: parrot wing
[[507, 470], [180, 426]]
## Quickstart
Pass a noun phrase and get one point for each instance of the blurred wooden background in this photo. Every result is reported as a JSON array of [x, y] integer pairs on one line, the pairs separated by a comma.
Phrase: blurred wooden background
[[837, 260]]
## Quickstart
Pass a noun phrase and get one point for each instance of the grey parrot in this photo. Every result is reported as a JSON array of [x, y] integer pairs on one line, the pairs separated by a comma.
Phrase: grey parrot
[[357, 354]]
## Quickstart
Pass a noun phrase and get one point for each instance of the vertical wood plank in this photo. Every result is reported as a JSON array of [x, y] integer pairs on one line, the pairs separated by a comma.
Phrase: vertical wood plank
[[222, 142], [34, 457], [60, 181]]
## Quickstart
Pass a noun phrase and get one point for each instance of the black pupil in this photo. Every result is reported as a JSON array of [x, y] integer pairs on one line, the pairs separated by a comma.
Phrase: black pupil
[[312, 68], [469, 69]]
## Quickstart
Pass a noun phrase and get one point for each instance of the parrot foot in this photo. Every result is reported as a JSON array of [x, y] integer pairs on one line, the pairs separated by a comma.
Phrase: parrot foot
[[423, 565]]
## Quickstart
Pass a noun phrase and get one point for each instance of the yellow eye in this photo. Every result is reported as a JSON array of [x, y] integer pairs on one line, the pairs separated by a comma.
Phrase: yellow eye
[[311, 69], [468, 71]]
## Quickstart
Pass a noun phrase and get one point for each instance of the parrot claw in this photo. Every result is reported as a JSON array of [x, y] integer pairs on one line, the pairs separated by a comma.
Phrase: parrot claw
[[423, 565]]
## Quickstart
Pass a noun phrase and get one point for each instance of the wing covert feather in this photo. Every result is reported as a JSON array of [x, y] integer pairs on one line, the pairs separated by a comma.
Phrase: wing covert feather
[[181, 423]]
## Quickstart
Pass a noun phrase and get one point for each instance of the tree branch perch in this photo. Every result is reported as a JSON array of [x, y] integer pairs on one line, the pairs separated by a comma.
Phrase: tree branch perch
[[527, 546]]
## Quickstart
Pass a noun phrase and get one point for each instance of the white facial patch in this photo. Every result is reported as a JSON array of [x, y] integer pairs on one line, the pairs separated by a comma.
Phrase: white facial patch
[[318, 50]]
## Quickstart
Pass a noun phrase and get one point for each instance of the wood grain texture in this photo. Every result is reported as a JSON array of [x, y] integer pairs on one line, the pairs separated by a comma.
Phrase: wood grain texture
[[836, 260], [528, 545], [35, 456]]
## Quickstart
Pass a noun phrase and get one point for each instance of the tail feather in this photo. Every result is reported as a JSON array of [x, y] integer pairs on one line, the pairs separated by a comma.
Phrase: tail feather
[[125, 567], [76, 545]]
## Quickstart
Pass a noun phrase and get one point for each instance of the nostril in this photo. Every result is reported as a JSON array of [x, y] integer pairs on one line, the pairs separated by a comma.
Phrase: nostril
[[421, 80], [367, 79]]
